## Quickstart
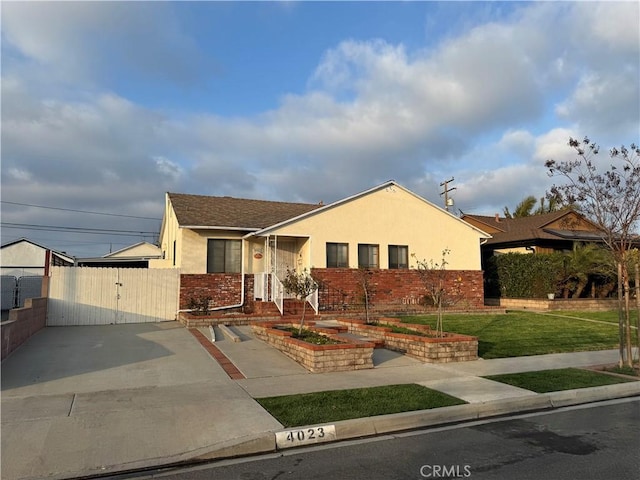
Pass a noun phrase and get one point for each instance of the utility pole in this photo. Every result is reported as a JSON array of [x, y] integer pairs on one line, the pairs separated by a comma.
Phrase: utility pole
[[446, 190]]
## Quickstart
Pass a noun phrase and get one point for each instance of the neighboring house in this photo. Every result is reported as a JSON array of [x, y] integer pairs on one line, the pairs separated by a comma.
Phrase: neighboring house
[[546, 233], [133, 256], [23, 257], [235, 250]]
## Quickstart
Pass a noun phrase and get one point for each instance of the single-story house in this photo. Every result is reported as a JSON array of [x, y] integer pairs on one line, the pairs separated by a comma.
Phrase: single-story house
[[236, 251], [23, 257], [545, 233], [137, 255]]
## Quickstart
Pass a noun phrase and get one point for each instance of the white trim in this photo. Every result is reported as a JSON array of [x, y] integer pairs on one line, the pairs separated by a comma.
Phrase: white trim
[[204, 227]]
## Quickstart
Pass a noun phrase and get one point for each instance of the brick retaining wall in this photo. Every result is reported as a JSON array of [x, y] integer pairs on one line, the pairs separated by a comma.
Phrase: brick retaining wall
[[23, 323], [579, 304], [452, 347], [346, 356]]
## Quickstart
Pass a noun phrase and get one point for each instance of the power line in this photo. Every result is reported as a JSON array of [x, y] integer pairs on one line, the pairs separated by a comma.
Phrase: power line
[[93, 231], [78, 211]]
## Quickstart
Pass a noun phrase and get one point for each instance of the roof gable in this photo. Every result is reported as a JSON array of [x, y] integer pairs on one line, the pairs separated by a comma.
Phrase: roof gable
[[63, 256], [234, 213], [140, 249], [387, 185]]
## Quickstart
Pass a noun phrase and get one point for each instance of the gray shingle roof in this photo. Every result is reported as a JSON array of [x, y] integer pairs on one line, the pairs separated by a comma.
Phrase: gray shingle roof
[[207, 211]]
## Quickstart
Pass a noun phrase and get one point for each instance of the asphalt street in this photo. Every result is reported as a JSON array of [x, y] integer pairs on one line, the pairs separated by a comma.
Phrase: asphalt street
[[589, 442]]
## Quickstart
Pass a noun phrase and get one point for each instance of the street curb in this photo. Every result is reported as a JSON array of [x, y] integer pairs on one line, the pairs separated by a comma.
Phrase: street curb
[[398, 422]]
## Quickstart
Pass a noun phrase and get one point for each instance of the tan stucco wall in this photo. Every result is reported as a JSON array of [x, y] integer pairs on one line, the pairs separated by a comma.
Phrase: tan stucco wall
[[389, 216], [170, 233]]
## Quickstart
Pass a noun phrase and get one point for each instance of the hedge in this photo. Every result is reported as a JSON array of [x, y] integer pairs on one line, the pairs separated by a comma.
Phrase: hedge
[[523, 276]]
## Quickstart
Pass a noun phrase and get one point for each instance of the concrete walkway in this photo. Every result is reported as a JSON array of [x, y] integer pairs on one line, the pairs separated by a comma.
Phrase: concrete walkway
[[78, 401]]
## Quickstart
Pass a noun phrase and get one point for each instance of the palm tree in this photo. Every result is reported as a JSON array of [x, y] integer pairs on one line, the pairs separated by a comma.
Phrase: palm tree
[[523, 209], [526, 207], [553, 206], [582, 264]]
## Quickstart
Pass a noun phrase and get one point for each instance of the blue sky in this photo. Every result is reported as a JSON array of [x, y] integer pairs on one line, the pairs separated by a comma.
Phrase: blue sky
[[107, 105]]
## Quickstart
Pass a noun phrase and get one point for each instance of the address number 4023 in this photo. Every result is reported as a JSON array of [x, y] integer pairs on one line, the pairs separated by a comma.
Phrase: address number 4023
[[303, 436]]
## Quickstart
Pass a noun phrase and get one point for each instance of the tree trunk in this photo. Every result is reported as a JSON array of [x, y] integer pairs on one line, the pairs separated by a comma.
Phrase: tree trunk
[[627, 318], [304, 307], [637, 275], [579, 288], [620, 317]]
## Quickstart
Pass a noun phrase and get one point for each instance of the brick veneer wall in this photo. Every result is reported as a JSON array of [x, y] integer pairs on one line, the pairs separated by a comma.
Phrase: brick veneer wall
[[23, 323], [223, 288], [346, 356], [399, 287]]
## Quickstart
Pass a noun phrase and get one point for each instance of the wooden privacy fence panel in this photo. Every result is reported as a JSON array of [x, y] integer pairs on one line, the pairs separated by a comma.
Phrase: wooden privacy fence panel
[[103, 296]]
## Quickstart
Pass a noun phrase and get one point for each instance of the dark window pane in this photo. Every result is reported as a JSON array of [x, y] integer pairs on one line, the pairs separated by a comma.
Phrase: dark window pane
[[398, 256], [367, 256], [337, 255], [224, 256]]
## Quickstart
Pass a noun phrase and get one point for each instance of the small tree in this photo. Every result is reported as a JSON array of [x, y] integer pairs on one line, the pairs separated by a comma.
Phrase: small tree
[[434, 278], [364, 279], [610, 197], [301, 285]]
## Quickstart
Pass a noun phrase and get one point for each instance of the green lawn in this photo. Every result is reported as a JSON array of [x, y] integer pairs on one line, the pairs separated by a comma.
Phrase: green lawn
[[335, 405], [526, 333], [544, 381]]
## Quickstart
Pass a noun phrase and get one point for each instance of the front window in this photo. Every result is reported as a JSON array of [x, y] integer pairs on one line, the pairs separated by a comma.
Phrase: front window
[[398, 256], [367, 256], [337, 255], [224, 256]]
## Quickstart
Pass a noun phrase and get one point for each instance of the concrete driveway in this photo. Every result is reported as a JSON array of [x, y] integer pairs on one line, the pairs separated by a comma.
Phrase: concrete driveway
[[85, 400]]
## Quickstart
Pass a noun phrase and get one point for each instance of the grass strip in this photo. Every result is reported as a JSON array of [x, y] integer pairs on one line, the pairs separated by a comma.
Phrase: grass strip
[[517, 333], [544, 381], [335, 405]]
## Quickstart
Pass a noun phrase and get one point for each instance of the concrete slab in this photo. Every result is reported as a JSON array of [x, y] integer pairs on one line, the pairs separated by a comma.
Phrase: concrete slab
[[535, 362], [59, 360], [477, 390], [118, 397], [256, 359]]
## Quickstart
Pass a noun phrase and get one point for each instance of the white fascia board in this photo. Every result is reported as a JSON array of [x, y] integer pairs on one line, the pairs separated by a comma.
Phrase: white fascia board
[[209, 227]]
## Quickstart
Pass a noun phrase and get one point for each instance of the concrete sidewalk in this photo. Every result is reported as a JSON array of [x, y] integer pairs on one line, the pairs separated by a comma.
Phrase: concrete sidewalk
[[79, 401]]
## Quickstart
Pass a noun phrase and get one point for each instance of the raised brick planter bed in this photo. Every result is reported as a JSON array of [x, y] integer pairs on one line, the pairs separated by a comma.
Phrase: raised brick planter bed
[[345, 356], [451, 347]]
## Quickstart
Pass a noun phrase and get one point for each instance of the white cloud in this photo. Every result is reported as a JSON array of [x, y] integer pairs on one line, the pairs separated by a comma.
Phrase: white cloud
[[19, 174], [81, 42]]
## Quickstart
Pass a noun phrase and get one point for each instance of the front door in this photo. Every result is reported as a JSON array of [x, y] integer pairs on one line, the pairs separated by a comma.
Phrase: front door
[[283, 257]]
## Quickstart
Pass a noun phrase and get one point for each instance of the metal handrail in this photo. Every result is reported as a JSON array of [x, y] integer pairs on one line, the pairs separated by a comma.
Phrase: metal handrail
[[312, 298], [277, 292]]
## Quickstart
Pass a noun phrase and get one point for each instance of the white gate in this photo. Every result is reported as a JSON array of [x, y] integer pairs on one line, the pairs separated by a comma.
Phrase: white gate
[[103, 296]]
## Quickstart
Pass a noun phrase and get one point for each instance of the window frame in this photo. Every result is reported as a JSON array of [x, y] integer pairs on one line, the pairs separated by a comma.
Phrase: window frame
[[398, 265], [372, 248], [227, 255], [338, 246]]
